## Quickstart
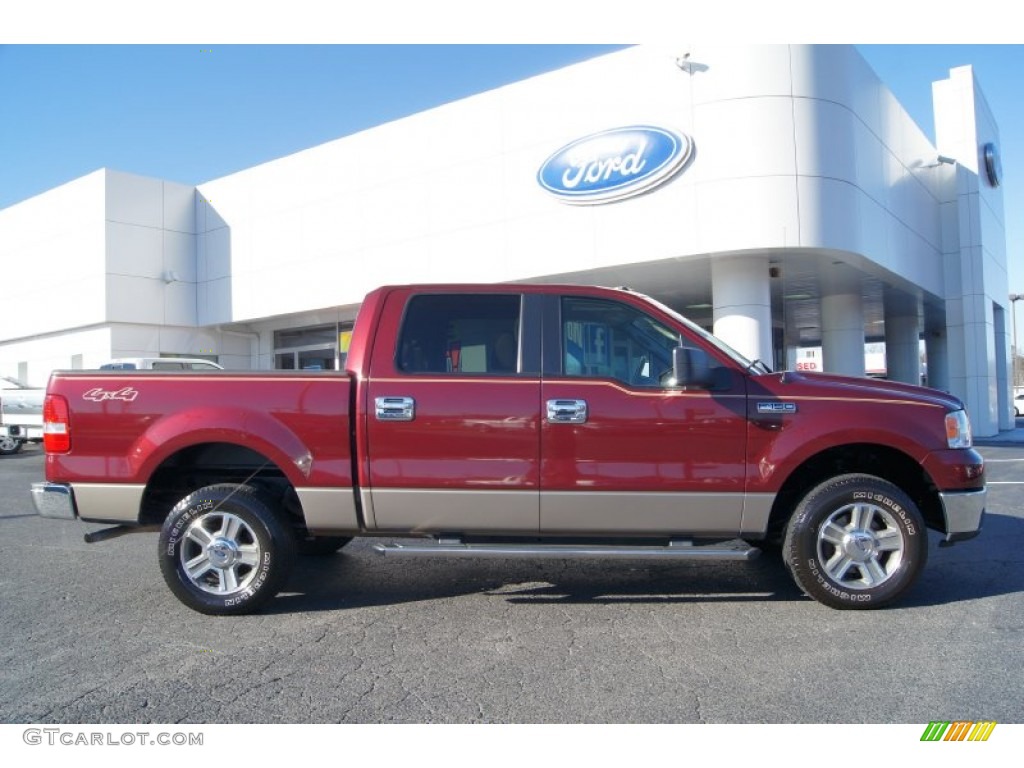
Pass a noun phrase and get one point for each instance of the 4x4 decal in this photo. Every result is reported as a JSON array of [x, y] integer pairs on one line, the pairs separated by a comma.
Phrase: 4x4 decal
[[98, 395]]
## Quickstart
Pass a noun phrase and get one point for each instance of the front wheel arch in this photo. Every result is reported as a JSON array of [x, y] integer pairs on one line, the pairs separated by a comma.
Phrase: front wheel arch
[[881, 461]]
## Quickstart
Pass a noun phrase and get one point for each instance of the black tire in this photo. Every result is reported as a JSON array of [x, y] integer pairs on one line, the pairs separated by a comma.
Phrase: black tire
[[855, 541], [9, 446], [321, 546], [240, 551]]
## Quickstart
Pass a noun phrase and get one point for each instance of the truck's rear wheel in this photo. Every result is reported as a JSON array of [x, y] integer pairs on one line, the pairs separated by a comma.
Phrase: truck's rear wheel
[[855, 541], [224, 551]]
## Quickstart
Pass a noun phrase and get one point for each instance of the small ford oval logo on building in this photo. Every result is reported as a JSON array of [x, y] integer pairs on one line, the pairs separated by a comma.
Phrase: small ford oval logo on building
[[614, 164]]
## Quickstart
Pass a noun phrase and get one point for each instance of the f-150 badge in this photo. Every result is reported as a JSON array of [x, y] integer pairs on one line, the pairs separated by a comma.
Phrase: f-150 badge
[[776, 407]]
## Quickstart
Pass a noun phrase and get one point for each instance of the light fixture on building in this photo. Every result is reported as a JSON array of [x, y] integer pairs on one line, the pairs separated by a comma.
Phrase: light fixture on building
[[689, 67], [934, 161]]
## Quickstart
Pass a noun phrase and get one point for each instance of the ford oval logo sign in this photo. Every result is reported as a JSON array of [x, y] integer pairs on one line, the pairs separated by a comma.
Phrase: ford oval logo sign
[[614, 164]]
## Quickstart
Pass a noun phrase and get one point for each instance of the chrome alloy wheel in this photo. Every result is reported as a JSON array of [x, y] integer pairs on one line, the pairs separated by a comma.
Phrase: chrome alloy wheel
[[860, 546], [220, 553]]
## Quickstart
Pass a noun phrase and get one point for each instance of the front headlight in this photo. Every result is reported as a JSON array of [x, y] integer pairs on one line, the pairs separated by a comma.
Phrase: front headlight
[[958, 429]]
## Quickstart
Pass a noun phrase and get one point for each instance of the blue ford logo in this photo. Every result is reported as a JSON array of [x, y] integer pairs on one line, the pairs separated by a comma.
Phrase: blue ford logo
[[614, 164]]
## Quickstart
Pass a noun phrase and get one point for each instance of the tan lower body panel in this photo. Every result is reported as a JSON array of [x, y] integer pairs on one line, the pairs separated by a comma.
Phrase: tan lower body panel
[[333, 510], [757, 507], [455, 511], [627, 512], [108, 502], [329, 510], [567, 512]]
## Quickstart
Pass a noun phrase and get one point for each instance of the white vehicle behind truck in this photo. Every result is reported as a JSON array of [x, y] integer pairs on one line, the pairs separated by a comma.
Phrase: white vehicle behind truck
[[161, 364], [21, 415], [21, 406]]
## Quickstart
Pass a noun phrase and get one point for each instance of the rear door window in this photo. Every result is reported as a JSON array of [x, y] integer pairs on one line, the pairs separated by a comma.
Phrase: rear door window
[[461, 334]]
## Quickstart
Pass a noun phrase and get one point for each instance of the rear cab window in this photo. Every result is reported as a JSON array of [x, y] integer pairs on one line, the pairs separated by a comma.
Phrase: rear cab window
[[461, 334]]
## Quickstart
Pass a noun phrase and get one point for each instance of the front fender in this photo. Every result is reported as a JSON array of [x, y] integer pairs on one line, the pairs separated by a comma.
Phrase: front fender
[[772, 462]]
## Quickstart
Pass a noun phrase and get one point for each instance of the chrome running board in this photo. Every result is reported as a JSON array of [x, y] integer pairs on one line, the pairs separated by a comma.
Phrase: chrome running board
[[675, 550]]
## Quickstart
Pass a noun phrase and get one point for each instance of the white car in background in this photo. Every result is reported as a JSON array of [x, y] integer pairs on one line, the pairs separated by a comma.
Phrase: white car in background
[[21, 415], [21, 406], [161, 364]]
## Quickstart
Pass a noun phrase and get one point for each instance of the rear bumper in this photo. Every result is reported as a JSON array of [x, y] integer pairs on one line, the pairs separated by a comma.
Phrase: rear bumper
[[54, 500], [964, 511]]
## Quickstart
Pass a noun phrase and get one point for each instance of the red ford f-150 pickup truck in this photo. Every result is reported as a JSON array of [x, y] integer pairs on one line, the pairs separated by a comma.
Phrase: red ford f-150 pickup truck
[[515, 420]]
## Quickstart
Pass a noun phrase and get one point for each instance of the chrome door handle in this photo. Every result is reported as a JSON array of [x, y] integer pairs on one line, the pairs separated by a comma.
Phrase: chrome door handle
[[395, 408], [567, 411]]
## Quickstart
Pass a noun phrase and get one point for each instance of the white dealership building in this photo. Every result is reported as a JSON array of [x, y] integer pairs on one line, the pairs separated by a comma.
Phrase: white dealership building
[[777, 194]]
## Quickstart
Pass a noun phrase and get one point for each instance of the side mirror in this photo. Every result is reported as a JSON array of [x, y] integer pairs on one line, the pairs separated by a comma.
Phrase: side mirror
[[692, 367]]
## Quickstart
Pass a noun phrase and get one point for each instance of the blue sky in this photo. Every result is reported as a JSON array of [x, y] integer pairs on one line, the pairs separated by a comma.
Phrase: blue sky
[[194, 113], [191, 113]]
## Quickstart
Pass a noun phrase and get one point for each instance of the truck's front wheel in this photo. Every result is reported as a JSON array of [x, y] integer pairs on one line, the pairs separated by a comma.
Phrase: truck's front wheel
[[223, 550], [855, 541]]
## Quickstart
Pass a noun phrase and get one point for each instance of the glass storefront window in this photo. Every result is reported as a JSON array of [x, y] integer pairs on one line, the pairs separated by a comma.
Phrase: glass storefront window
[[315, 348]]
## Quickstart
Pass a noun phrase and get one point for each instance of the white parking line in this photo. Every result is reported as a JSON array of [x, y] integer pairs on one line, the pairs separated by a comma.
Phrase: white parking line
[[1005, 482]]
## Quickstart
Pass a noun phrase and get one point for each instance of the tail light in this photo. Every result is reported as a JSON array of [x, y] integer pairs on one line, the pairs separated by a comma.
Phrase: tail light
[[56, 425]]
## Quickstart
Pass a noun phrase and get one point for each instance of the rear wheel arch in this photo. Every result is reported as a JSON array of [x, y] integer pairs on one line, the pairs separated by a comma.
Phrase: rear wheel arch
[[207, 464], [204, 464], [197, 429]]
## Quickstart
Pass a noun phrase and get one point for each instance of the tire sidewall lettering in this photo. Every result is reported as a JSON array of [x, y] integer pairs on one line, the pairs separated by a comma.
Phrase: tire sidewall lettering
[[910, 528], [264, 572], [830, 587], [183, 522], [253, 588]]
